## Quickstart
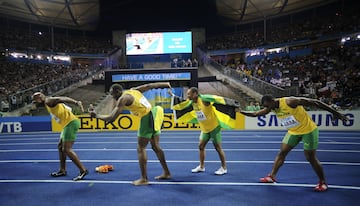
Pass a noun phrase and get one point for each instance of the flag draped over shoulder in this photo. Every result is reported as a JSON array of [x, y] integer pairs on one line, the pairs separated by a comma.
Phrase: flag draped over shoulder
[[224, 109]]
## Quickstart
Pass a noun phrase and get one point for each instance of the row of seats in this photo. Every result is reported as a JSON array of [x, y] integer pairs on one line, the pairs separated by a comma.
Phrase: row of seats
[[19, 80]]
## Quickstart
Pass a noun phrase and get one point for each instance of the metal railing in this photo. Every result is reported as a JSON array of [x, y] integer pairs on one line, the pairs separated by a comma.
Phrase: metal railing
[[257, 85]]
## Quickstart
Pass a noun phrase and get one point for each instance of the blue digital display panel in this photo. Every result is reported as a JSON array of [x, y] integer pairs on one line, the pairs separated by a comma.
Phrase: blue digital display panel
[[158, 43], [151, 77]]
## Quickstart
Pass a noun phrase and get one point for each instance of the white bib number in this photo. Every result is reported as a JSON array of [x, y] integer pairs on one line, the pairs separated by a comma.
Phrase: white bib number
[[289, 122], [57, 119], [200, 115], [145, 102]]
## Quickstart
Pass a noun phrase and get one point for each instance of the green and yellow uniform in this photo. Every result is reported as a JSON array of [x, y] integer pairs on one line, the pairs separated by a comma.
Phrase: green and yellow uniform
[[69, 123], [207, 120], [219, 114], [151, 117], [299, 125]]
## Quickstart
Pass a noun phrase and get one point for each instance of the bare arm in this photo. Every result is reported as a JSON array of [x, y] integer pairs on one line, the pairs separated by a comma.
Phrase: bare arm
[[53, 101], [301, 101], [146, 87], [121, 103], [262, 112]]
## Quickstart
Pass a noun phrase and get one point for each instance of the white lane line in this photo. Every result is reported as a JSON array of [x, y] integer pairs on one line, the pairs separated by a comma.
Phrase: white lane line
[[184, 161], [107, 132], [177, 142], [176, 150], [181, 183], [329, 138]]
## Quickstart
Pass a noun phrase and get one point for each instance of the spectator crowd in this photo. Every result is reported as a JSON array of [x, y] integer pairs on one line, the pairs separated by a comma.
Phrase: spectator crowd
[[41, 41], [331, 74], [19, 80], [313, 28]]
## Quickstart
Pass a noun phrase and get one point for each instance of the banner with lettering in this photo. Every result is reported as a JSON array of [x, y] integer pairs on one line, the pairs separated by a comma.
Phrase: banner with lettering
[[131, 122], [25, 124], [151, 77], [324, 120]]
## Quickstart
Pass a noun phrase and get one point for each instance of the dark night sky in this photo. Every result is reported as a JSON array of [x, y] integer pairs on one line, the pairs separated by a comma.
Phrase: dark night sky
[[157, 15]]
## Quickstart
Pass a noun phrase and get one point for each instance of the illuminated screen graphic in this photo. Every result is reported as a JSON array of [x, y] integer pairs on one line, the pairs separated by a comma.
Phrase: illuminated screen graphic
[[158, 43]]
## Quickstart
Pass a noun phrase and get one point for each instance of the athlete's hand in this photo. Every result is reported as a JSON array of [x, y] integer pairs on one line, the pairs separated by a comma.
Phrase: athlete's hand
[[170, 92], [341, 117], [91, 110]]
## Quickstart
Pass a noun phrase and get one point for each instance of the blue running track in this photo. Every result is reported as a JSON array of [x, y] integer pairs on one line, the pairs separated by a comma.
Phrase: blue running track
[[26, 160]]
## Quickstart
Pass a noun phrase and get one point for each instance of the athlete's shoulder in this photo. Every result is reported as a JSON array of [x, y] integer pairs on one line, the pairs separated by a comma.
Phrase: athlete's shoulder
[[293, 101]]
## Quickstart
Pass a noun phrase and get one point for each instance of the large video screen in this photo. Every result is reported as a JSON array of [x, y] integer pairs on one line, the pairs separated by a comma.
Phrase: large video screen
[[158, 43]]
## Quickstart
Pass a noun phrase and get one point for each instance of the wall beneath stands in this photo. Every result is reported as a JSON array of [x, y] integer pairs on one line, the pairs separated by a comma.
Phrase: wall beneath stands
[[252, 59], [137, 61], [300, 52]]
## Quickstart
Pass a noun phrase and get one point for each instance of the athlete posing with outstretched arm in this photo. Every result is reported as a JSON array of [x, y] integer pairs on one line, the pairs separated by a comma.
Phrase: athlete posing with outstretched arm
[[150, 123], [70, 125], [300, 127]]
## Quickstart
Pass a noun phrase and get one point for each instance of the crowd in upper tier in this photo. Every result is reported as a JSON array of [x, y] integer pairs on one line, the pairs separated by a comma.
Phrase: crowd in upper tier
[[24, 40]]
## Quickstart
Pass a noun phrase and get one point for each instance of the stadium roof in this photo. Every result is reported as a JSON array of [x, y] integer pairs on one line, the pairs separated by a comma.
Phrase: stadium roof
[[85, 14], [245, 11], [76, 14]]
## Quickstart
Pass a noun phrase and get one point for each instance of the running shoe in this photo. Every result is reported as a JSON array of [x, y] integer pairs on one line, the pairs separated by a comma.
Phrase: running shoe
[[198, 169], [221, 171], [268, 179], [321, 187], [58, 173], [81, 175]]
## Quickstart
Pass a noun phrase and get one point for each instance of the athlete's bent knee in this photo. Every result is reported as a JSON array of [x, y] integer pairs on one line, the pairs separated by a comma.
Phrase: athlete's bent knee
[[310, 156], [156, 148]]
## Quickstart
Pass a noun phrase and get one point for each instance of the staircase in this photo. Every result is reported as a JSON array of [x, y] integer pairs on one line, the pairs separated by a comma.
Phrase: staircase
[[223, 88]]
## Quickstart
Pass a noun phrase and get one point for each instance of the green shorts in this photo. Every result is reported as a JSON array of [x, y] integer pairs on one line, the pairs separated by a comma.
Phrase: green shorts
[[310, 140], [70, 130], [146, 128], [215, 135]]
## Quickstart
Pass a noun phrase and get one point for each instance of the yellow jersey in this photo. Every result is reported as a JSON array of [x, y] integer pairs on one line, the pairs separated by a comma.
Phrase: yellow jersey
[[205, 116], [140, 106], [295, 120], [61, 113]]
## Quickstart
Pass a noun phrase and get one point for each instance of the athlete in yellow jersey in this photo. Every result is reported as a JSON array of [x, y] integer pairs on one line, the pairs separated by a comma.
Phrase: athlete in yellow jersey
[[210, 129], [150, 123], [70, 126], [300, 126]]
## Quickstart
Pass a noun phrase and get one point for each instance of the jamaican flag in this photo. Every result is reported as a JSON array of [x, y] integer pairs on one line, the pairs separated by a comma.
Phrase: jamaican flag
[[224, 109]]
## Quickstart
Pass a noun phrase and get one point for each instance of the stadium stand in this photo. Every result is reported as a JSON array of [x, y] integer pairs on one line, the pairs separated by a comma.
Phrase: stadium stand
[[18, 38], [20, 80], [329, 72], [304, 28], [325, 73]]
